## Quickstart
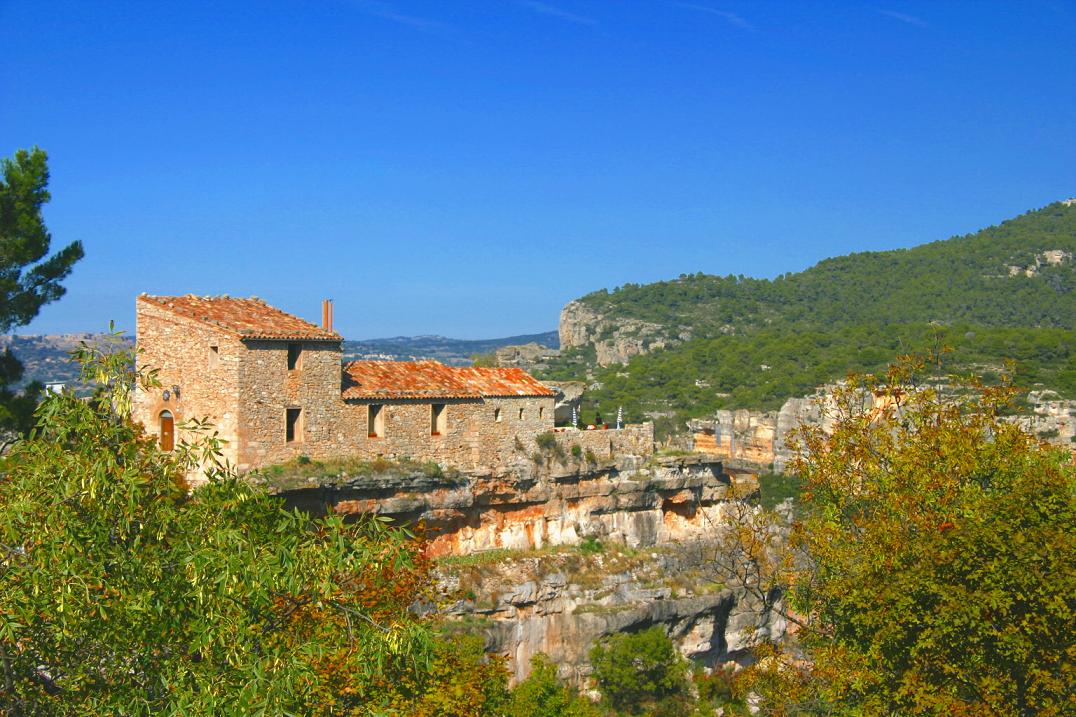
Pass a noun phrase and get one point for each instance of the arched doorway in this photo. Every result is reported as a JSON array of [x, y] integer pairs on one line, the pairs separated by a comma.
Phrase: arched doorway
[[168, 431]]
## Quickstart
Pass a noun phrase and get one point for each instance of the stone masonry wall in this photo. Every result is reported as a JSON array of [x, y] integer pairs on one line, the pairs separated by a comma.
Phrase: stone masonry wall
[[246, 389], [473, 438], [633, 440], [180, 350], [267, 389]]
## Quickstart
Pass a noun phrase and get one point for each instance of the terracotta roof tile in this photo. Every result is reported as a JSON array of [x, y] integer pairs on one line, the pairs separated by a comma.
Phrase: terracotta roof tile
[[430, 379], [249, 318]]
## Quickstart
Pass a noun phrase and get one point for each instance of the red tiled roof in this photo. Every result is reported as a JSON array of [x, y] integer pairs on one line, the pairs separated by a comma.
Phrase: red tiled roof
[[430, 379], [249, 318]]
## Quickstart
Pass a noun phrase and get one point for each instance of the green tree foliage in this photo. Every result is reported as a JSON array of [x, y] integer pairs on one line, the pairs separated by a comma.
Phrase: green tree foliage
[[123, 593], [755, 343], [939, 561], [731, 374], [29, 277], [642, 673], [964, 279], [16, 407], [462, 681], [543, 695]]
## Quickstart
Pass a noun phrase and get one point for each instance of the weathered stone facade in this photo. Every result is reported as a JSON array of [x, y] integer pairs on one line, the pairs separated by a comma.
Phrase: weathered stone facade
[[480, 434], [252, 376], [179, 349]]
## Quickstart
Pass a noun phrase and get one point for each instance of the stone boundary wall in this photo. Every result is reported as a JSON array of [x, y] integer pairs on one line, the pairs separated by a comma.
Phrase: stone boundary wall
[[631, 440]]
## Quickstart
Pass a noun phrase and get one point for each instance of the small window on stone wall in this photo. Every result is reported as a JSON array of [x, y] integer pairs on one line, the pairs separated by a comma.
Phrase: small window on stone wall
[[375, 421], [541, 410], [214, 356], [438, 421], [293, 431], [521, 414], [295, 357], [497, 415]]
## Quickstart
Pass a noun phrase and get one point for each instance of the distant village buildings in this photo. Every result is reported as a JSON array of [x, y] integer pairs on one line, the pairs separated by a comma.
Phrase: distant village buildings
[[275, 388]]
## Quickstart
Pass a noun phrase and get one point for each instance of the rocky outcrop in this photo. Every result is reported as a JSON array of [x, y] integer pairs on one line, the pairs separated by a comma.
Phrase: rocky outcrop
[[641, 527], [629, 499], [530, 356], [759, 438], [615, 341], [1051, 257], [569, 397], [562, 603], [1051, 418], [762, 438]]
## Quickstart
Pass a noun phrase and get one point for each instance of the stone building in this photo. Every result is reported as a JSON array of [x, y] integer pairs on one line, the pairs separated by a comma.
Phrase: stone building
[[275, 388]]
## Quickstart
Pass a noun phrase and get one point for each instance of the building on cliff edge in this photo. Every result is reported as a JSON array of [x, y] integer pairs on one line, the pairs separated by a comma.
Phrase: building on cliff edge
[[275, 388]]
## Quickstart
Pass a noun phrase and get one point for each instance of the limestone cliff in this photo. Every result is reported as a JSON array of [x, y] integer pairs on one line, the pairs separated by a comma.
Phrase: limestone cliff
[[561, 603], [629, 499], [516, 577], [615, 341], [761, 438]]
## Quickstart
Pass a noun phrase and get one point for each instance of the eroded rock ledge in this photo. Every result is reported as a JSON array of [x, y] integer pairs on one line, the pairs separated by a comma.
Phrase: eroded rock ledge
[[631, 500], [558, 552]]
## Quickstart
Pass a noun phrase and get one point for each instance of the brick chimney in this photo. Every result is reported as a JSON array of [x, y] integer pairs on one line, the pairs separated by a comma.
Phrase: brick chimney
[[327, 315]]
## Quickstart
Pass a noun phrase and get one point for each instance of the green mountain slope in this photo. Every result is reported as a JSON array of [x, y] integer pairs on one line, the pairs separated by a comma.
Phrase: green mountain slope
[[1006, 292]]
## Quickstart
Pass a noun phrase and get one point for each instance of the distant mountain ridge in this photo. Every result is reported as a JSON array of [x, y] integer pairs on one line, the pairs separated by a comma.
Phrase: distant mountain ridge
[[454, 352], [45, 358]]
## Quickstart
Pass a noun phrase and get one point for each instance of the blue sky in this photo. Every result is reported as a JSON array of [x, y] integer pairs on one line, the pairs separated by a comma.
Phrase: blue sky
[[465, 167]]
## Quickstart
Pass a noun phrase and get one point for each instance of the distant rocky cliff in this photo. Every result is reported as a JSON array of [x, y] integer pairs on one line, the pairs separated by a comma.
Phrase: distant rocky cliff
[[614, 340], [761, 438]]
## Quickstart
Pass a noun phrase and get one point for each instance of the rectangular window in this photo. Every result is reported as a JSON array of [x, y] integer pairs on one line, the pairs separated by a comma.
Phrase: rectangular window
[[375, 421], [293, 429], [438, 421], [214, 356], [295, 357]]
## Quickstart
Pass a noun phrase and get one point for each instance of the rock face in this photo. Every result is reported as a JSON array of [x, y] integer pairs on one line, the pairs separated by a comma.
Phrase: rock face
[[561, 604], [526, 356], [614, 340], [642, 526], [628, 499], [569, 396], [761, 438], [1052, 419]]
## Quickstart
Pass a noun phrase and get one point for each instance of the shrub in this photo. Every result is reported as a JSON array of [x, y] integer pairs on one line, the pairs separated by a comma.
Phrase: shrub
[[591, 546], [577, 451], [542, 695], [546, 441], [641, 673]]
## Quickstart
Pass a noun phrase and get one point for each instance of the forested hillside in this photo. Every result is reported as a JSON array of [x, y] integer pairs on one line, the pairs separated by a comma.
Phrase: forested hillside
[[1005, 292]]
